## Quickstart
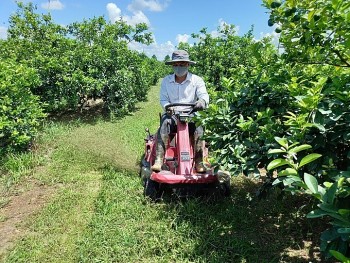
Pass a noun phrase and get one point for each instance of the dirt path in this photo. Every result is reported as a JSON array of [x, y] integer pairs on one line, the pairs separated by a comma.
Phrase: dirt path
[[18, 210]]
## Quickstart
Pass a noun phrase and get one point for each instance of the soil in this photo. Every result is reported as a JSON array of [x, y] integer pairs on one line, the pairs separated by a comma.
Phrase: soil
[[19, 208]]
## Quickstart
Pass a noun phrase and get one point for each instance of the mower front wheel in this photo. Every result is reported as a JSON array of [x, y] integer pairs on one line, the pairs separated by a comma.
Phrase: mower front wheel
[[151, 189], [225, 187]]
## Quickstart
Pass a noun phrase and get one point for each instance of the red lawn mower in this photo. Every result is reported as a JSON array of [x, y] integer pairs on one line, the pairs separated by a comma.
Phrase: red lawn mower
[[178, 169]]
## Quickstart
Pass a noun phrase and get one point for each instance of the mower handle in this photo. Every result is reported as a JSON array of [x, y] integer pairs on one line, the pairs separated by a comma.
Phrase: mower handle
[[178, 104]]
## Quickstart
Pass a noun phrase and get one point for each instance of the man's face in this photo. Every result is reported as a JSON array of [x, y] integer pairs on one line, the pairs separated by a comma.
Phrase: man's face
[[180, 68]]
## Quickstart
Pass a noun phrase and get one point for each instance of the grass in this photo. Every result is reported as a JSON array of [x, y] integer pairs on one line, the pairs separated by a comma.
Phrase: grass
[[99, 214]]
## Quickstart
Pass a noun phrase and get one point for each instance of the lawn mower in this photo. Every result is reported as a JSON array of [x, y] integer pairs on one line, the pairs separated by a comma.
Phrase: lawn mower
[[178, 169]]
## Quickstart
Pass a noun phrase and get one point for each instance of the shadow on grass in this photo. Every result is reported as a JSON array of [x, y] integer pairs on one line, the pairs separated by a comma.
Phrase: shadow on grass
[[241, 228]]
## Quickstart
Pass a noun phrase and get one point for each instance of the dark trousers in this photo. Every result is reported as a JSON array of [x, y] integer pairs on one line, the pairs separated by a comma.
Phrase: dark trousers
[[168, 126]]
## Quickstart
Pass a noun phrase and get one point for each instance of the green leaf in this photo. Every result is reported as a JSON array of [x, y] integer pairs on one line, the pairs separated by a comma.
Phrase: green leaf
[[311, 183], [316, 213], [335, 117], [328, 208], [282, 141], [309, 158], [324, 112], [272, 151], [344, 230], [310, 15], [344, 211], [292, 181], [277, 181], [330, 211], [288, 171], [300, 148], [329, 234], [319, 126], [330, 193], [276, 163], [339, 256]]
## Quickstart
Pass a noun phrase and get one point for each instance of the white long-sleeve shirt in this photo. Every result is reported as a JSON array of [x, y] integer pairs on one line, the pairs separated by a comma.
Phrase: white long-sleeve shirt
[[189, 91]]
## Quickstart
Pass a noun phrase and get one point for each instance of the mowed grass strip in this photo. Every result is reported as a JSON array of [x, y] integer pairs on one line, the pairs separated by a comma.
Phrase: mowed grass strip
[[71, 156], [126, 228], [51, 236]]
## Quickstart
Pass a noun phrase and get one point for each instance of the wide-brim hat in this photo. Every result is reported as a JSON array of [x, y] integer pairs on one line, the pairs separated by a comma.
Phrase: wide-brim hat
[[178, 56]]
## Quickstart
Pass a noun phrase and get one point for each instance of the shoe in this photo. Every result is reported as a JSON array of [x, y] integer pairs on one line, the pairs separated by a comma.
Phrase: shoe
[[200, 168], [157, 166], [199, 144]]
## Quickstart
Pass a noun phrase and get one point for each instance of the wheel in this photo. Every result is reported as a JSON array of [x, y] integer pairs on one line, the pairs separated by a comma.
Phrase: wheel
[[151, 189], [225, 187], [145, 174], [145, 171], [224, 183]]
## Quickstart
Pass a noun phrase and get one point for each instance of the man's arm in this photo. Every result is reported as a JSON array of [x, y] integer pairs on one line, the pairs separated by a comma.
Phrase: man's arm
[[163, 96], [201, 92]]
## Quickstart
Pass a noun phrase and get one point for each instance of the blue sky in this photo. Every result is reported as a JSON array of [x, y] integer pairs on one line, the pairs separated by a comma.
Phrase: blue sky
[[171, 21]]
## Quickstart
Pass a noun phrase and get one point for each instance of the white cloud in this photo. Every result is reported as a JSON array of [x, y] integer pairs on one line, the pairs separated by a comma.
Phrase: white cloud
[[115, 14], [222, 25], [215, 33], [137, 16], [275, 38], [160, 50], [182, 38], [273, 35], [53, 5], [237, 28], [152, 5], [3, 32]]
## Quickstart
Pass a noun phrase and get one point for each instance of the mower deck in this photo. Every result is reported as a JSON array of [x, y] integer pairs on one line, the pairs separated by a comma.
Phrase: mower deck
[[168, 177]]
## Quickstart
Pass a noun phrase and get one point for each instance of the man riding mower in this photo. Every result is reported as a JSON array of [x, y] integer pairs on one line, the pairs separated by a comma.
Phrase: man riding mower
[[176, 151]]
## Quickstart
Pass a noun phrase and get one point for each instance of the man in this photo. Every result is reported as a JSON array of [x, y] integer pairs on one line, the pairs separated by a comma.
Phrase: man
[[181, 87]]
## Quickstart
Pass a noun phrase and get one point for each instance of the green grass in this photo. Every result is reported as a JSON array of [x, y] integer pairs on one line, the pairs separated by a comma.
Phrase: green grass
[[99, 214]]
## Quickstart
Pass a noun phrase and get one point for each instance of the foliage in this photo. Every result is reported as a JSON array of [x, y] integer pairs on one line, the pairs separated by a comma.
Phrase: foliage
[[300, 93], [333, 197], [248, 98], [316, 33], [340, 256], [313, 32], [20, 110], [83, 61]]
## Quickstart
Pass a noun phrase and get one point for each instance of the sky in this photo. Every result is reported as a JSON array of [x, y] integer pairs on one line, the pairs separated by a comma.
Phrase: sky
[[170, 21]]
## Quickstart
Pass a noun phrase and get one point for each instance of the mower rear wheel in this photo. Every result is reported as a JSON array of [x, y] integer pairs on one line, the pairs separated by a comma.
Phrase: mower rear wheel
[[151, 189], [225, 187]]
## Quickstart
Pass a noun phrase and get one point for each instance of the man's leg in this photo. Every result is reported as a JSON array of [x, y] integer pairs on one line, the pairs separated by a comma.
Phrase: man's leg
[[166, 125], [198, 147]]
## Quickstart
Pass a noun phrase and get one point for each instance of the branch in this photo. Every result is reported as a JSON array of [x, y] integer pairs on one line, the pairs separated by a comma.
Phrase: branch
[[342, 59]]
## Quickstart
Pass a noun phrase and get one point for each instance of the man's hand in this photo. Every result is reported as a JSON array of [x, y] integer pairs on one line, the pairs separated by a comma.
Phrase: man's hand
[[199, 105], [170, 111]]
